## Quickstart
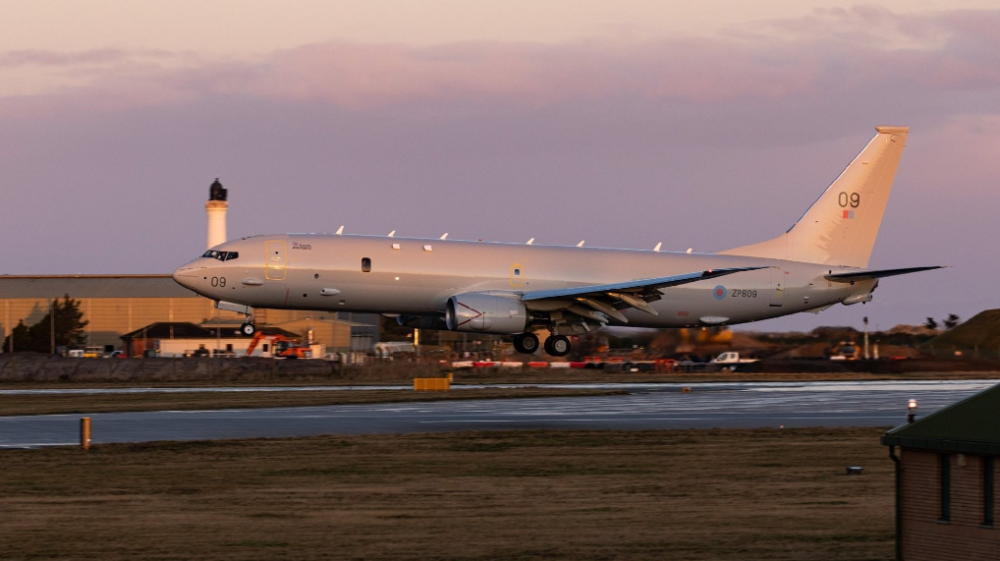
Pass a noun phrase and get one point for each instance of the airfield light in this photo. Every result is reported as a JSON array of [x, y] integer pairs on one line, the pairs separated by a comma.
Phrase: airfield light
[[911, 411]]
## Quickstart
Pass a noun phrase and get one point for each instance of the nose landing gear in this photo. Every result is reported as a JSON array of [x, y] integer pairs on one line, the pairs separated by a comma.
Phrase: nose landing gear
[[248, 328]]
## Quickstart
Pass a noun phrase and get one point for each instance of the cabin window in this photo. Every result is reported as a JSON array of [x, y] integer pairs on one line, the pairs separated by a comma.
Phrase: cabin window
[[945, 472], [366, 265], [989, 487], [517, 272]]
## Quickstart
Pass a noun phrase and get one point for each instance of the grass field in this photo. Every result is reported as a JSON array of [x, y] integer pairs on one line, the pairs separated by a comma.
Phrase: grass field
[[529, 495], [42, 404]]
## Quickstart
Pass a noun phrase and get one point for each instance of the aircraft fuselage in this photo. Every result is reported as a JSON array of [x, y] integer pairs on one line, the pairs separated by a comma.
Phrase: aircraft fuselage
[[418, 276]]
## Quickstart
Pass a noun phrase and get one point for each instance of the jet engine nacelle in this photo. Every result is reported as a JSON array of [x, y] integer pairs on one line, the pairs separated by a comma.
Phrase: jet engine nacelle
[[485, 313], [422, 322]]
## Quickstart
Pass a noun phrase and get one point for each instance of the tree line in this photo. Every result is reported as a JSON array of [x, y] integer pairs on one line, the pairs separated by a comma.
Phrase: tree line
[[69, 324]]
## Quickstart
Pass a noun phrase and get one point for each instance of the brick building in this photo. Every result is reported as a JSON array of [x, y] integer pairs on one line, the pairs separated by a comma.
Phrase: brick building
[[946, 470]]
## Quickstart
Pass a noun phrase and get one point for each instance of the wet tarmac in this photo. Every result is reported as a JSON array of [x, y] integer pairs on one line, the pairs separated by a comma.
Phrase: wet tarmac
[[646, 407]]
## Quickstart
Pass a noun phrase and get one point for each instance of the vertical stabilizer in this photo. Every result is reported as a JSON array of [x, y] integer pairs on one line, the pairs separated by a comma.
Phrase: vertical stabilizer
[[840, 228]]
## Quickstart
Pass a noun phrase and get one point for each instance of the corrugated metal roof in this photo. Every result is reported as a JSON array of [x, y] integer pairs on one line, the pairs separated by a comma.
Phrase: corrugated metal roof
[[92, 286], [971, 425]]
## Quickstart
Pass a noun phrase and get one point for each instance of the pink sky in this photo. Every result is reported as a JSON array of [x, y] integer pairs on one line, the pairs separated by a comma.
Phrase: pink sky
[[649, 124]]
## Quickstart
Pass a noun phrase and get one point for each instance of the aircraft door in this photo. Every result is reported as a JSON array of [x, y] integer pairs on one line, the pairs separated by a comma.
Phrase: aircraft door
[[777, 287], [275, 260]]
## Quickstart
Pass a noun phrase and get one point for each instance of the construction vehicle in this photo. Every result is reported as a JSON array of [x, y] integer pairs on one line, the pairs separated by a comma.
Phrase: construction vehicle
[[846, 350], [281, 346]]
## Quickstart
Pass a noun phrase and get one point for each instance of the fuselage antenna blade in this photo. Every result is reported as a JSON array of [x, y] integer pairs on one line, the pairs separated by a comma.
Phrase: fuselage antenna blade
[[340, 231], [581, 243], [658, 246], [531, 241]]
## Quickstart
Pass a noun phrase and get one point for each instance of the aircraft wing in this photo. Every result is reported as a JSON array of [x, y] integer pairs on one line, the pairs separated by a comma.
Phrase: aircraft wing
[[598, 301], [872, 275]]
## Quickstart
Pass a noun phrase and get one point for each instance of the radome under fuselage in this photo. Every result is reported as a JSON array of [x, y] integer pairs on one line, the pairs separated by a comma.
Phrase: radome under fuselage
[[418, 276]]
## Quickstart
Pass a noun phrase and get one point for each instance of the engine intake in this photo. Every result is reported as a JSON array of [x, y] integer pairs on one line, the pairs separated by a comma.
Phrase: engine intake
[[485, 313]]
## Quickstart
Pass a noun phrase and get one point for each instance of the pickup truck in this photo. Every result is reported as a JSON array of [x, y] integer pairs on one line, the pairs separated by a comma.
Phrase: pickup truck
[[732, 358]]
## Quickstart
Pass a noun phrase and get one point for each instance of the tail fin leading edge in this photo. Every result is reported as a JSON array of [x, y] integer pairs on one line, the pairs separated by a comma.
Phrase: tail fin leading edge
[[841, 226]]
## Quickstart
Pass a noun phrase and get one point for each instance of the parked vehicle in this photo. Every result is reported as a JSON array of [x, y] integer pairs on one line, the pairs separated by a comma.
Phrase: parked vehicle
[[281, 346]]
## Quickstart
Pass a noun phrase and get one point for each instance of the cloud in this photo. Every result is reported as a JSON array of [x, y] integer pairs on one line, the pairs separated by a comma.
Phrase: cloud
[[710, 142], [834, 52]]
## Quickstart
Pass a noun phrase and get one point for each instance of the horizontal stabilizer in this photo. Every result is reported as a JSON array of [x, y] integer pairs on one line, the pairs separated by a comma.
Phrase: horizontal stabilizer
[[872, 275], [635, 285]]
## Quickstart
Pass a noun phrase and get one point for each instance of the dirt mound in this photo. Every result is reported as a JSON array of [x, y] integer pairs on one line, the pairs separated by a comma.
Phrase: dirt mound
[[982, 331]]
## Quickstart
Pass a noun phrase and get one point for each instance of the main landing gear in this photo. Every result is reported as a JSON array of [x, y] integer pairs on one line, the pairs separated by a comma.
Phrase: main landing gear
[[555, 345], [526, 343]]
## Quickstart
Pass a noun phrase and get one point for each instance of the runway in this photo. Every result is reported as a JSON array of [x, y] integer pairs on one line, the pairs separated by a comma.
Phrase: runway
[[647, 407]]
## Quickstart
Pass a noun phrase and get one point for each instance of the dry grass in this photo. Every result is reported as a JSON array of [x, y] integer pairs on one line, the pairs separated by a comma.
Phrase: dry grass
[[43, 404], [531, 495]]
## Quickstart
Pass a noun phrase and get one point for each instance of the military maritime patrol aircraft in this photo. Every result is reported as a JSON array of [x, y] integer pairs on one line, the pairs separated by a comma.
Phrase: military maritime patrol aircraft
[[514, 289]]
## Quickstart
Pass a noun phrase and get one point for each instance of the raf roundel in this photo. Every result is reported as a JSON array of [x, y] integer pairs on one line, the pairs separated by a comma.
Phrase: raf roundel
[[719, 292]]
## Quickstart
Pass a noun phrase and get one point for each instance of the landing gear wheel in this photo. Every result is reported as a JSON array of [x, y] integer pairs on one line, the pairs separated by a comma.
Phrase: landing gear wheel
[[248, 329], [526, 343], [557, 345]]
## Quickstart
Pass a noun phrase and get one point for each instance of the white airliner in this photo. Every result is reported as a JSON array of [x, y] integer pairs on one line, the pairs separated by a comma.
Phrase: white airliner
[[515, 289]]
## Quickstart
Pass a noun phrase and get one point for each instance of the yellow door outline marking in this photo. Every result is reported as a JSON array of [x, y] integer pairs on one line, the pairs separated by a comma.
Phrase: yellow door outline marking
[[516, 281], [274, 271]]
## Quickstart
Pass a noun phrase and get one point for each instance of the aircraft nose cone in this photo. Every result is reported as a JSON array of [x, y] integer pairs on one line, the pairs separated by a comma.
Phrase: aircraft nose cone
[[185, 276]]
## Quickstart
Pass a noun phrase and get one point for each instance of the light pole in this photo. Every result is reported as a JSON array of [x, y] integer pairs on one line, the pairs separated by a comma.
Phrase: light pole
[[52, 326], [866, 339]]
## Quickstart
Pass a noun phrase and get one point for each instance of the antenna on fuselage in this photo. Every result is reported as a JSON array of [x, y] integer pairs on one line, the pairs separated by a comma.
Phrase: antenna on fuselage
[[392, 233], [445, 236], [581, 243], [658, 246], [689, 250], [340, 231], [531, 241]]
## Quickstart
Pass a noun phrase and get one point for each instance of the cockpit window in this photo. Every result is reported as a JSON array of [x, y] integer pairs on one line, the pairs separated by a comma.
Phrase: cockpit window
[[221, 255]]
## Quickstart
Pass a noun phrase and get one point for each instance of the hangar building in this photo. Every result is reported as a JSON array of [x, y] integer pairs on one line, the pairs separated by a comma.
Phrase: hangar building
[[118, 304]]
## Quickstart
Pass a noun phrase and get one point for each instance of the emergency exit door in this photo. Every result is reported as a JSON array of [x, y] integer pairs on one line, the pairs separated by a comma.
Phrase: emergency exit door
[[777, 287], [276, 260]]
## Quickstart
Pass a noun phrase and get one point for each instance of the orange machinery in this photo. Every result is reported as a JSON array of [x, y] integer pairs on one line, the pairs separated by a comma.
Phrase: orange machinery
[[281, 346]]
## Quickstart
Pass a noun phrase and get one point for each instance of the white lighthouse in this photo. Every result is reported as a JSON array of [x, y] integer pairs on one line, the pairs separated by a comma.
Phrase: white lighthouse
[[216, 208]]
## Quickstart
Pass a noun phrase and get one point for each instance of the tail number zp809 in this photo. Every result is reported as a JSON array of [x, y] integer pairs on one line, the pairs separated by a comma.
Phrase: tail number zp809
[[737, 293]]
